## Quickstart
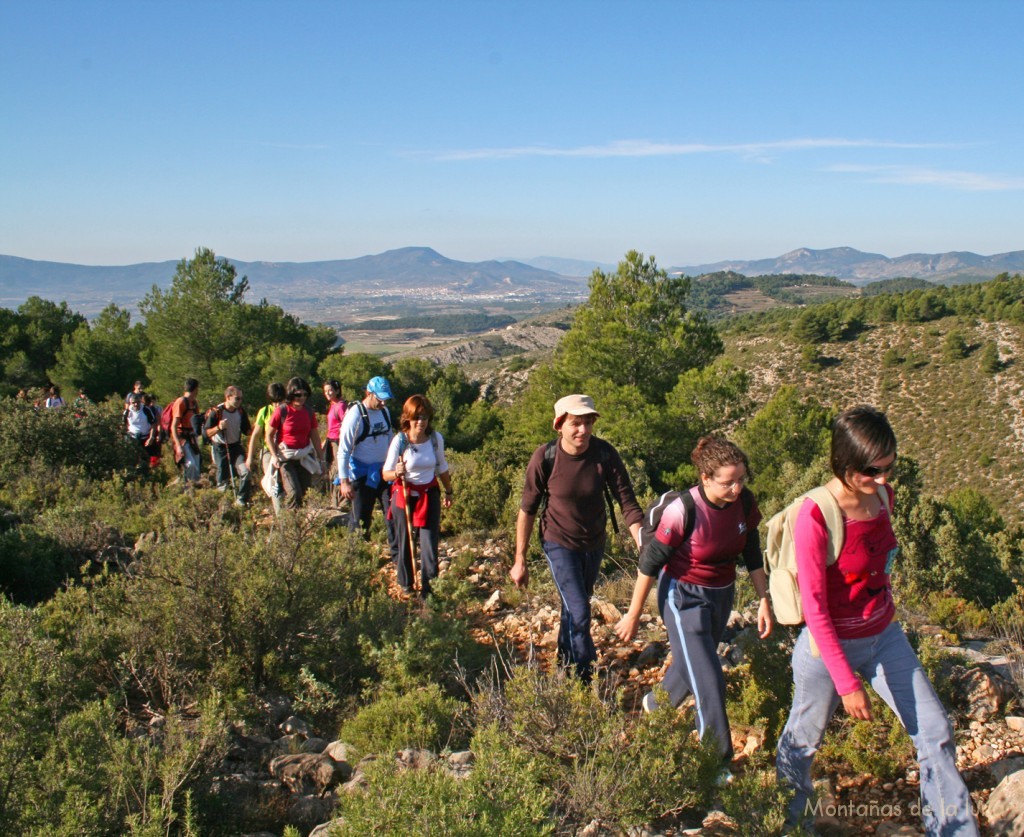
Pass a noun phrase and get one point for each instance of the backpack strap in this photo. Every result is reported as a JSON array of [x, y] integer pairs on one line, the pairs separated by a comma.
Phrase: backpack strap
[[547, 465], [833, 515]]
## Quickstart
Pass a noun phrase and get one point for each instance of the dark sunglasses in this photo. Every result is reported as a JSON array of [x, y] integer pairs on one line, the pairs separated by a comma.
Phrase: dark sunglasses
[[875, 471]]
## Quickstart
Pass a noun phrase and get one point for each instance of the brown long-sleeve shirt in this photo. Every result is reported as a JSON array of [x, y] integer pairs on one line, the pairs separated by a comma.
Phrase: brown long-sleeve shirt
[[575, 515]]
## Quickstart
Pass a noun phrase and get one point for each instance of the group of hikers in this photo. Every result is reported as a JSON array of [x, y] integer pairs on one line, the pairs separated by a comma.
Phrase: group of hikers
[[362, 460], [840, 536], [844, 547]]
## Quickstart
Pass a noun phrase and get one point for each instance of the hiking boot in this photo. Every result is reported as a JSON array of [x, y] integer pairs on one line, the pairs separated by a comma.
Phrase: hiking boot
[[649, 703], [724, 778], [239, 503]]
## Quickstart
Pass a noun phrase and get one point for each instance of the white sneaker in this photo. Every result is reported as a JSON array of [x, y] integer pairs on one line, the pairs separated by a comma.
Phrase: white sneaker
[[724, 778], [649, 703]]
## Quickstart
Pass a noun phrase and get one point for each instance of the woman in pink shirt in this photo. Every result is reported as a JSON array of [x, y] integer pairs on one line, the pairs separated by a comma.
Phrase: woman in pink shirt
[[851, 632], [335, 414]]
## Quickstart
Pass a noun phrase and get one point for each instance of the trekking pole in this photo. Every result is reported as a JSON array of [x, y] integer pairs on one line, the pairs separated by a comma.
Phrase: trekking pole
[[231, 469], [408, 529]]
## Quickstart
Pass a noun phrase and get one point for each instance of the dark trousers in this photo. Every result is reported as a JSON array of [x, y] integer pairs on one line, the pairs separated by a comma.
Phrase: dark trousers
[[363, 501], [229, 460], [295, 480], [575, 573], [695, 618], [428, 536]]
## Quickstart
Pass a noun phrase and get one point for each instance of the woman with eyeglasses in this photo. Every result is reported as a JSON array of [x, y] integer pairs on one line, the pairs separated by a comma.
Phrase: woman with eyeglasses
[[294, 441], [693, 557], [852, 636], [416, 460]]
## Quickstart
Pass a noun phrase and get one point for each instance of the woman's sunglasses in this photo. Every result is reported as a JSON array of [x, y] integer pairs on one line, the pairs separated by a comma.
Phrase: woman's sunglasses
[[877, 471]]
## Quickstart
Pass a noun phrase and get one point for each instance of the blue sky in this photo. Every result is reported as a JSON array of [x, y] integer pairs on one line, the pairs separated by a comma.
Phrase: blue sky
[[693, 131]]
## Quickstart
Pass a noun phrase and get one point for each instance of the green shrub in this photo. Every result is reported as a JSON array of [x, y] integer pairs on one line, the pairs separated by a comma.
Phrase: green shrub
[[502, 795], [759, 692], [423, 718], [880, 747], [32, 565], [90, 439], [755, 800], [598, 763], [482, 492]]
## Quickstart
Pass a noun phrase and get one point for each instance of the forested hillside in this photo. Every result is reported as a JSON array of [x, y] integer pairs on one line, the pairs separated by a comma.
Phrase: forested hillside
[[173, 664]]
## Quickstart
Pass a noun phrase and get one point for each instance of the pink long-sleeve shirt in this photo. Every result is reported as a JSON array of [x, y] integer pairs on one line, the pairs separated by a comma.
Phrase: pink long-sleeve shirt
[[852, 598]]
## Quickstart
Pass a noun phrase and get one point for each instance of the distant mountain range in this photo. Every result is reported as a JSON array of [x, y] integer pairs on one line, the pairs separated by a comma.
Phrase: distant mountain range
[[412, 271], [407, 271], [863, 268]]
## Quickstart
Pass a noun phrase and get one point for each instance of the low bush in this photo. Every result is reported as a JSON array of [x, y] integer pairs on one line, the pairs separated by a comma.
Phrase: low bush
[[880, 747], [760, 691], [423, 718], [755, 800], [504, 794], [598, 763]]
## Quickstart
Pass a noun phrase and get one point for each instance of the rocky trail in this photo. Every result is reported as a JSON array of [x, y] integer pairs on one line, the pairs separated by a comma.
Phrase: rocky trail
[[307, 772]]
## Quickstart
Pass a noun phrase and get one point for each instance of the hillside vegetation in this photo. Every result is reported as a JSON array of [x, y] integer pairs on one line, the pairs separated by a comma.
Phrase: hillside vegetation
[[167, 658]]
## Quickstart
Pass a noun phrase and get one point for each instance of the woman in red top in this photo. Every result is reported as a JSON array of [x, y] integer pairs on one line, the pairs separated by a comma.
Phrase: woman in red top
[[852, 632], [294, 440], [696, 575]]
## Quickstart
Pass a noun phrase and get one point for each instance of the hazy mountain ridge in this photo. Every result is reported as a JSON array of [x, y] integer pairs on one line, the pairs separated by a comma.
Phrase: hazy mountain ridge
[[415, 270], [422, 271], [863, 268]]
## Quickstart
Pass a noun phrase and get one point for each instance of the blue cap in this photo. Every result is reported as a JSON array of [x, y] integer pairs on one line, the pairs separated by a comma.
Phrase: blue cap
[[380, 387]]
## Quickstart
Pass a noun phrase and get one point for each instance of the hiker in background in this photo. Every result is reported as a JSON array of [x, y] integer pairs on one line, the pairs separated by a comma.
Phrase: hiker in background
[[362, 448], [271, 479], [81, 400], [136, 390], [53, 399], [224, 428], [141, 426], [294, 439], [155, 448], [692, 554], [565, 484], [851, 630], [183, 432], [416, 461], [335, 416]]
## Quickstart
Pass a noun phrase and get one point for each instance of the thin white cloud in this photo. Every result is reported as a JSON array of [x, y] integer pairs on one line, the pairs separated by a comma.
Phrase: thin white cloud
[[646, 148], [965, 181]]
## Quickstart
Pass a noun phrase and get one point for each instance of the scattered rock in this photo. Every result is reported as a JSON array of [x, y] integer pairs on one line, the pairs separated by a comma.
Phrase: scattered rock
[[337, 750], [310, 773], [310, 809], [294, 725], [984, 691], [605, 612], [493, 604], [1005, 809]]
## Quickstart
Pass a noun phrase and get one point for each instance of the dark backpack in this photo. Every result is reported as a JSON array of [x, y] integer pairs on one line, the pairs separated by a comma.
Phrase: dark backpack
[[604, 456], [365, 416], [653, 513]]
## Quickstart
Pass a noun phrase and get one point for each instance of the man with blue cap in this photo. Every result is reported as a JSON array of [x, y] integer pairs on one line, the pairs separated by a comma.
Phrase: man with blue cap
[[363, 443]]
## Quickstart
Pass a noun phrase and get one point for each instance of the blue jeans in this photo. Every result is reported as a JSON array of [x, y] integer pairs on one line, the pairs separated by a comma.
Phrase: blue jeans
[[695, 618], [575, 573], [889, 664]]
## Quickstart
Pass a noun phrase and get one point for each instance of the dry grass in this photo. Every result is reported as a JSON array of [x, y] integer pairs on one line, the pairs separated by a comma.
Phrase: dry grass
[[964, 426]]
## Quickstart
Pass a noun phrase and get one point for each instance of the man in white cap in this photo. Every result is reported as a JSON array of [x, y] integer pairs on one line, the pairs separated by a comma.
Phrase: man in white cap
[[565, 483], [363, 443]]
